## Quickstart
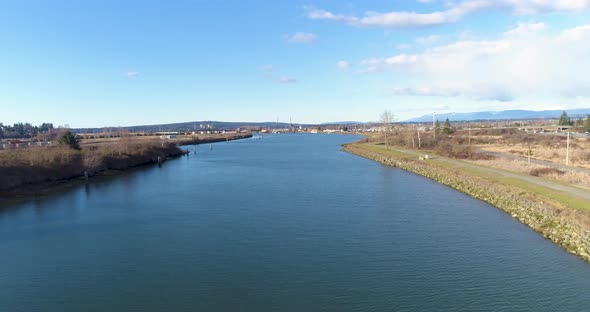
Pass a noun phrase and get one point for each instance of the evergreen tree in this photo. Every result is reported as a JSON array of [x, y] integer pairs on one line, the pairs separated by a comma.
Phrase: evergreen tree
[[45, 126], [69, 139], [19, 128], [587, 124], [437, 126], [564, 120], [447, 127]]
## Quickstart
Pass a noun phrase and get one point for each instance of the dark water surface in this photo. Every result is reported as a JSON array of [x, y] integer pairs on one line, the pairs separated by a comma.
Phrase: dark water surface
[[286, 223]]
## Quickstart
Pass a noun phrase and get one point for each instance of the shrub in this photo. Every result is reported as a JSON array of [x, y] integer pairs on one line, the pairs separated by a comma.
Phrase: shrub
[[69, 139], [537, 172]]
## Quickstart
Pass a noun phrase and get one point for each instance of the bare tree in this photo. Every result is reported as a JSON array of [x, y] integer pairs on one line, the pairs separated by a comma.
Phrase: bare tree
[[386, 119], [124, 138]]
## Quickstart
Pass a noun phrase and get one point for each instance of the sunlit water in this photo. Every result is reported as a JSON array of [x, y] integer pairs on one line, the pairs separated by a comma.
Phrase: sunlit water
[[285, 223]]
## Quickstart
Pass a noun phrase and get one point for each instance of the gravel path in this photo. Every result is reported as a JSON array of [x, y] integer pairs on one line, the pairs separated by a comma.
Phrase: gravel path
[[570, 190]]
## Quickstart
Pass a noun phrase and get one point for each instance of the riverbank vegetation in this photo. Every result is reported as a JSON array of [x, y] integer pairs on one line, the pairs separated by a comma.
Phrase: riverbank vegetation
[[503, 148], [76, 158], [22, 167], [579, 179]]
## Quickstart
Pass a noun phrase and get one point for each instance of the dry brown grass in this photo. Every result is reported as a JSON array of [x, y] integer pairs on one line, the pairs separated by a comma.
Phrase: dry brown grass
[[42, 164], [574, 178], [545, 147], [547, 171], [38, 156], [579, 153], [452, 146]]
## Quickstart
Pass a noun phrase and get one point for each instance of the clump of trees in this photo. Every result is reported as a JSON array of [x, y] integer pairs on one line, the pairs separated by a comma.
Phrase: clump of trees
[[580, 124], [447, 129], [564, 119], [69, 139], [23, 130]]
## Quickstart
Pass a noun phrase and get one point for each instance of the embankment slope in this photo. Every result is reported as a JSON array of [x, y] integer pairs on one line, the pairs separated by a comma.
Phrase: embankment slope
[[561, 217]]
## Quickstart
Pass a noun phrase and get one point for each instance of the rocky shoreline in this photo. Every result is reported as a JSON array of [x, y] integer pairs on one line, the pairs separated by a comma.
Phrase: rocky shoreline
[[558, 224]]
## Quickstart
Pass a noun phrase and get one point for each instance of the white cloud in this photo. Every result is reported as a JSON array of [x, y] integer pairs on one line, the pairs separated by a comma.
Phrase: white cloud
[[271, 73], [403, 46], [132, 74], [285, 80], [524, 29], [268, 68], [575, 34], [301, 37], [521, 62], [343, 65], [480, 93], [455, 11], [428, 40]]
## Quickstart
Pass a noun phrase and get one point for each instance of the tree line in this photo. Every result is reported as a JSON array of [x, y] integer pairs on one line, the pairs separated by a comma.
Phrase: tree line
[[23, 130], [584, 124]]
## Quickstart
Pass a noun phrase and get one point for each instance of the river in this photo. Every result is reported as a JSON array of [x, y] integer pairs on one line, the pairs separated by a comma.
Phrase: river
[[283, 223]]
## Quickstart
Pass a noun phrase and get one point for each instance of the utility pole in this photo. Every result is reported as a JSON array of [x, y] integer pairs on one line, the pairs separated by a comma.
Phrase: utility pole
[[469, 134], [419, 141], [567, 153], [434, 125]]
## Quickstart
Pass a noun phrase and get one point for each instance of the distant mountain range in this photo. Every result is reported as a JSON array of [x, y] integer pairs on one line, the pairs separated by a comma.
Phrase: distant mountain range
[[210, 125], [503, 115], [222, 125], [191, 126]]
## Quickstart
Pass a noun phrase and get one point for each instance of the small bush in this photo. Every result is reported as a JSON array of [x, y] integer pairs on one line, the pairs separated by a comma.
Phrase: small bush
[[70, 139], [537, 172]]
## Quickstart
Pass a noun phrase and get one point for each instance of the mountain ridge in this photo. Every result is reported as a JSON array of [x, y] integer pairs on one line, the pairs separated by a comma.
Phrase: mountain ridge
[[513, 114]]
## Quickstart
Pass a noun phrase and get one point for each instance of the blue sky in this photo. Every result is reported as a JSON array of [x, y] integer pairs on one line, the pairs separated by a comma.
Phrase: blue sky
[[117, 63]]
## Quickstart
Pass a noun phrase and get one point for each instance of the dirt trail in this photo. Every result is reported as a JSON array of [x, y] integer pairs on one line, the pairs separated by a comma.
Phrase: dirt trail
[[570, 190]]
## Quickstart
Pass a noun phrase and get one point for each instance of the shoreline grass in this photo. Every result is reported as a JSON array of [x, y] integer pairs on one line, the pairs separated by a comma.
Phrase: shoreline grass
[[23, 170]]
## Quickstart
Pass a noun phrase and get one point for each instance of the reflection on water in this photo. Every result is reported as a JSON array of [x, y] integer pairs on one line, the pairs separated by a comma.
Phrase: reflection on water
[[284, 223]]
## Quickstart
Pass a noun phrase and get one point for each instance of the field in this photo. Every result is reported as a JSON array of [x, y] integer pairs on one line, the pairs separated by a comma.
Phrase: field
[[548, 148], [506, 149]]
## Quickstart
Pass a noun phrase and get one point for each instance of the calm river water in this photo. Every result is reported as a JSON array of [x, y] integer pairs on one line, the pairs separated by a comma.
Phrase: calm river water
[[285, 223]]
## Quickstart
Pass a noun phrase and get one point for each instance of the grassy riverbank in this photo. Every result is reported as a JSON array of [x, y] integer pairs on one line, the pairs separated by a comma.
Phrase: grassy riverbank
[[555, 211], [212, 138], [26, 170]]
